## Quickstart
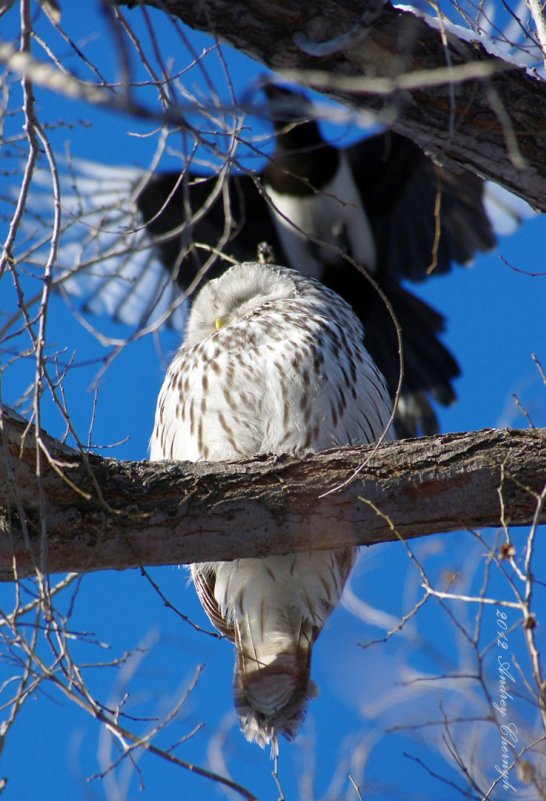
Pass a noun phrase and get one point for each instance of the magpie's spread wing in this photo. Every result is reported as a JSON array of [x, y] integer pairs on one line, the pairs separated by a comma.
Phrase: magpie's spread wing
[[106, 262], [126, 234], [424, 217]]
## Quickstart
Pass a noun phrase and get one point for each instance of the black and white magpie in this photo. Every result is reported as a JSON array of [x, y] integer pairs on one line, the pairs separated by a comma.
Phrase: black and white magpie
[[384, 205], [380, 204]]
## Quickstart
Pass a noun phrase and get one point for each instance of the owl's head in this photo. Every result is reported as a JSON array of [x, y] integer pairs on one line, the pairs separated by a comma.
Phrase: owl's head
[[240, 291]]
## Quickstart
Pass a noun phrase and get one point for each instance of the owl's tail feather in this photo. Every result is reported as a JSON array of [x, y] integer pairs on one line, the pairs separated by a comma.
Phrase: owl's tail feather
[[272, 685]]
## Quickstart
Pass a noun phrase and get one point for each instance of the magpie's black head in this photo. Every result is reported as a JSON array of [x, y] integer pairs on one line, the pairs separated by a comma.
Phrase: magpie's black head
[[287, 105], [291, 113], [302, 162]]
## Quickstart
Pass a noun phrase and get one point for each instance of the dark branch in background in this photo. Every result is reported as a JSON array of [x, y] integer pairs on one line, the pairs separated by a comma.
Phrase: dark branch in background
[[103, 514], [456, 101]]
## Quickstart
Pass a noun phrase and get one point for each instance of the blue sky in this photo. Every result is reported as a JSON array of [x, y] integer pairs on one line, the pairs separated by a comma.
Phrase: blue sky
[[495, 321]]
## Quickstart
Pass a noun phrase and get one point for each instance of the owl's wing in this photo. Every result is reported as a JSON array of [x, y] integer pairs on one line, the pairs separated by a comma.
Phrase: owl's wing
[[205, 581]]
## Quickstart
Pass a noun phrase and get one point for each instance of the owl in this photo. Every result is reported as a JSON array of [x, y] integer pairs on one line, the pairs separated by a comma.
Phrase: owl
[[272, 362]]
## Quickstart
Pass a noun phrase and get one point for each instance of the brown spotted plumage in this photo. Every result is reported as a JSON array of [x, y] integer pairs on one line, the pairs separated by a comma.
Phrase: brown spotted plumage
[[273, 362]]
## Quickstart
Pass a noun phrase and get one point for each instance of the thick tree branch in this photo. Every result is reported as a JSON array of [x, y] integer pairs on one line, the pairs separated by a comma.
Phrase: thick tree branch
[[469, 108], [104, 514]]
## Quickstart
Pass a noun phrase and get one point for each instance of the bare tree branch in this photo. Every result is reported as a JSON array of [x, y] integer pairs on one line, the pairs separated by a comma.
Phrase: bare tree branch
[[102, 514], [450, 96]]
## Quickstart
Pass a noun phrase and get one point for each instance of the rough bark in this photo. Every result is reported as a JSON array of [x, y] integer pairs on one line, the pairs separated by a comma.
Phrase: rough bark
[[128, 513], [492, 122]]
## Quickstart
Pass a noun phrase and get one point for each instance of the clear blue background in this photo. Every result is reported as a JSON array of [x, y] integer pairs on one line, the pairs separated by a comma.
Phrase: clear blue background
[[496, 320]]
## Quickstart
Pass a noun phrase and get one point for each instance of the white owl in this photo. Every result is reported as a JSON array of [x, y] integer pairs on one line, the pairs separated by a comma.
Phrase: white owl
[[273, 362]]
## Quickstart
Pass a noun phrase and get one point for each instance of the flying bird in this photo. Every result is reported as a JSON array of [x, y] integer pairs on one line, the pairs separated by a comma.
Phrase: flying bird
[[272, 362], [380, 206]]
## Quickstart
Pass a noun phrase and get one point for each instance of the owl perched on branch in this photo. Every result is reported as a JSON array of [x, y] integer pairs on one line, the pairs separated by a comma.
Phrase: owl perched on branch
[[272, 362]]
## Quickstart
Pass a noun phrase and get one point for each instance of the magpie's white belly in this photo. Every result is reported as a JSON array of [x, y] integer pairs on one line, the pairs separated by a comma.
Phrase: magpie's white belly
[[315, 229]]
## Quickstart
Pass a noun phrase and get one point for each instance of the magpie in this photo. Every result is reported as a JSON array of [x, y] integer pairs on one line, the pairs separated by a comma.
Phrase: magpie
[[379, 208]]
